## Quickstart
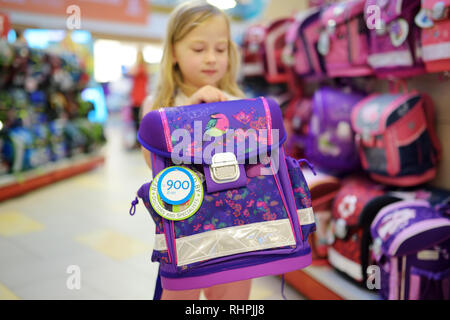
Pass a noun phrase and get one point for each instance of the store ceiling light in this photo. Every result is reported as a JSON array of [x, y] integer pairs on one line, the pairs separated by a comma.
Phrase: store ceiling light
[[223, 4]]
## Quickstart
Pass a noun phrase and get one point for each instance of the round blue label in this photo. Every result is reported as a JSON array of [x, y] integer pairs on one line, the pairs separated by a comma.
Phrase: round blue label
[[176, 185]]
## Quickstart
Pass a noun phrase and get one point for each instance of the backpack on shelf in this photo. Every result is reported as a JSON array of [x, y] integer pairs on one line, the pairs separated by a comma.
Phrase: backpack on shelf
[[301, 45], [252, 51], [323, 189], [395, 49], [396, 137], [238, 214], [298, 114], [412, 249], [354, 208], [275, 70], [330, 144], [434, 19], [343, 41]]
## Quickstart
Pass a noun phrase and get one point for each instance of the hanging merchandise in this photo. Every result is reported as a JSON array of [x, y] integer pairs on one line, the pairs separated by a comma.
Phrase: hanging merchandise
[[394, 38], [330, 143], [396, 137], [6, 60], [236, 215], [298, 114], [353, 209], [323, 189], [300, 53], [274, 69], [252, 51], [343, 41], [434, 19], [42, 115], [412, 249]]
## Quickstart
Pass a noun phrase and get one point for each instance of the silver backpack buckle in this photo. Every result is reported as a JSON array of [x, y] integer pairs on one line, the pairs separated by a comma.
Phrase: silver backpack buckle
[[224, 167]]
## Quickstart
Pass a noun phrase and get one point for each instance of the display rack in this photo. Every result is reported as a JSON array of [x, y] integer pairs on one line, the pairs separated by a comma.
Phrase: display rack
[[324, 283], [13, 185]]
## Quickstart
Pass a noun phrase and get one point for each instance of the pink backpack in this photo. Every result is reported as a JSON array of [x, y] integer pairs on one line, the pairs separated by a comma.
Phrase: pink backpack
[[274, 43], [434, 19], [252, 51], [396, 137], [301, 45], [344, 42], [395, 41]]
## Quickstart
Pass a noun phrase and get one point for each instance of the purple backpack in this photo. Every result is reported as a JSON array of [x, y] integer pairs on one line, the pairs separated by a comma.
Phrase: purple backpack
[[412, 249], [330, 143], [395, 42], [224, 216]]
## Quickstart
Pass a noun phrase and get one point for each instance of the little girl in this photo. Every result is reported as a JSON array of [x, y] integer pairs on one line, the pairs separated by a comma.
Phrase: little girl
[[199, 64]]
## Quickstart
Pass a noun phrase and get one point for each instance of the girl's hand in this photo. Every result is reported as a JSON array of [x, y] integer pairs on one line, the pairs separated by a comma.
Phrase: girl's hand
[[207, 94]]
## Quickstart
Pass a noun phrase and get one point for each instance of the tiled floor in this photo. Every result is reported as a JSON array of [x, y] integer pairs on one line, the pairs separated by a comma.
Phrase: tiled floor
[[75, 239]]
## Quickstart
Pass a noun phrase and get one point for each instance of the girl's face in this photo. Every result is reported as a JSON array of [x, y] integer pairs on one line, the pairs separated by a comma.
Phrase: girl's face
[[202, 55]]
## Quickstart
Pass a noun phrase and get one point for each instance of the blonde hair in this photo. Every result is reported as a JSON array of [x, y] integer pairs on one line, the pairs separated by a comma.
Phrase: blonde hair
[[183, 19]]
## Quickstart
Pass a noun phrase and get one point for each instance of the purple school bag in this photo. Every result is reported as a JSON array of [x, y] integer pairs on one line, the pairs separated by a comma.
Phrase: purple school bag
[[412, 249], [330, 143], [248, 211], [395, 41]]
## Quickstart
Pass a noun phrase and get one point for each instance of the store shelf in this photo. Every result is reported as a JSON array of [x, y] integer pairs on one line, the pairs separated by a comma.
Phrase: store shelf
[[324, 283], [18, 184]]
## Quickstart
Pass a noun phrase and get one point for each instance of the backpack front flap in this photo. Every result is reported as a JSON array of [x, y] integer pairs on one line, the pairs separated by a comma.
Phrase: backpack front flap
[[248, 203], [396, 138]]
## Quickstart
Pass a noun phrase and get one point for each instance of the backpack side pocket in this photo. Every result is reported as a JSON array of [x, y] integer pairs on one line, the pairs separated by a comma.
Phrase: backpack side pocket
[[302, 197], [160, 247]]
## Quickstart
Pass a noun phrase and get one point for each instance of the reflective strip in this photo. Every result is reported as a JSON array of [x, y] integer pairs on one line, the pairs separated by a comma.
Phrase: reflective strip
[[160, 242], [233, 240], [391, 59], [437, 51], [306, 216], [344, 264]]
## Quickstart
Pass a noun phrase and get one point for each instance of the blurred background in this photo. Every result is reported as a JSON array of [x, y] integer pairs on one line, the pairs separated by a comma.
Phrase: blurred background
[[73, 75]]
